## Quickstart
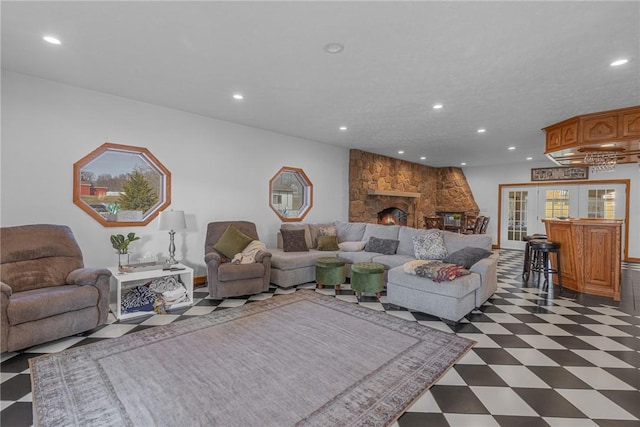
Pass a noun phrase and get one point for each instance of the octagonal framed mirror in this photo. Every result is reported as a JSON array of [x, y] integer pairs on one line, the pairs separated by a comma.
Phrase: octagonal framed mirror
[[290, 194], [121, 185]]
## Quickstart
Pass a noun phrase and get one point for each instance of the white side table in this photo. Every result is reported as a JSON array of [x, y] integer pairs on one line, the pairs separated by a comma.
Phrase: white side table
[[122, 282]]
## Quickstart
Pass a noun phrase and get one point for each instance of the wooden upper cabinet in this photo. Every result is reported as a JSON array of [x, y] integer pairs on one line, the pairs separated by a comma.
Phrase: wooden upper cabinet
[[599, 129], [554, 139], [562, 135], [569, 134], [630, 124], [619, 129]]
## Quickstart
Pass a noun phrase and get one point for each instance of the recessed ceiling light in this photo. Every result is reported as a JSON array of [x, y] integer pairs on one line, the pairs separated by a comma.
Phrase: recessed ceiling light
[[400, 151], [423, 158], [619, 62], [238, 96], [481, 130], [51, 39], [343, 128], [610, 144], [511, 148], [463, 164], [333, 48], [437, 106], [529, 158]]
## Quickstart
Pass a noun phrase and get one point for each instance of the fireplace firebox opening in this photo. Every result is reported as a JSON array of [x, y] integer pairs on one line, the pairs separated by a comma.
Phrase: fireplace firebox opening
[[392, 216]]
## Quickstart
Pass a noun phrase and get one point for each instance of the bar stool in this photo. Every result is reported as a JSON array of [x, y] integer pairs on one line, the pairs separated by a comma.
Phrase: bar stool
[[526, 267], [540, 250]]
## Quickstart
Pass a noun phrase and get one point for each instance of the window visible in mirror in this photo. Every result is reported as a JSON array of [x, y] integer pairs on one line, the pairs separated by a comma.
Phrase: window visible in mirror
[[120, 185], [290, 194]]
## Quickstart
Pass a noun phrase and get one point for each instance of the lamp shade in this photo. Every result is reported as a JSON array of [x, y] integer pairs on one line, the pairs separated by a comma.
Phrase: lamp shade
[[172, 220]]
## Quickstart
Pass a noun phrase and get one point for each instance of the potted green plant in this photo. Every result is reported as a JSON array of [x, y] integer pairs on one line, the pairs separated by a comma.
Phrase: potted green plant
[[121, 244]]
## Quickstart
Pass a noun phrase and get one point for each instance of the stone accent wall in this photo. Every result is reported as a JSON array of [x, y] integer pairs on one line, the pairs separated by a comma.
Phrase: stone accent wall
[[454, 193], [441, 189]]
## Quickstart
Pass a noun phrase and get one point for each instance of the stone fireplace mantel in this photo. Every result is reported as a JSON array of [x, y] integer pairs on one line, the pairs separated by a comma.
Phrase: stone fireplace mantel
[[393, 193]]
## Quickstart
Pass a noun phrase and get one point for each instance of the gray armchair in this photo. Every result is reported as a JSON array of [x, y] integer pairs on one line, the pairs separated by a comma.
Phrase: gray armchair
[[226, 279], [46, 293]]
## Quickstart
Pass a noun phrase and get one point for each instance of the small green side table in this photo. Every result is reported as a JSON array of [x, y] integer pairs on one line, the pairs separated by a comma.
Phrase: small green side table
[[367, 277], [330, 272]]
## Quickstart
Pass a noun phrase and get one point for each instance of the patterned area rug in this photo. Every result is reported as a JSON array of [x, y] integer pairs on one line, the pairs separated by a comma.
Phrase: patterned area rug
[[301, 359]]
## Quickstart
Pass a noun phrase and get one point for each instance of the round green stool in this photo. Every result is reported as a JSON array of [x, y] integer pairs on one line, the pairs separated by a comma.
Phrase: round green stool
[[330, 272], [367, 277]]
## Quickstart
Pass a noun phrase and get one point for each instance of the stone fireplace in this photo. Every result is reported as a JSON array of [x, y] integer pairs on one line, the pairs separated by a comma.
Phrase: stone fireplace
[[392, 216], [378, 182]]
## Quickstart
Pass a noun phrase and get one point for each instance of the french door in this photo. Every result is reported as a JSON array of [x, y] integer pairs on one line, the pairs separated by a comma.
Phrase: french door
[[518, 216], [523, 207]]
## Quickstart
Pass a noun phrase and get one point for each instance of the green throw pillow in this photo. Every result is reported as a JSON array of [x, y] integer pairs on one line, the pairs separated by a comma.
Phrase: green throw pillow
[[328, 243], [232, 241]]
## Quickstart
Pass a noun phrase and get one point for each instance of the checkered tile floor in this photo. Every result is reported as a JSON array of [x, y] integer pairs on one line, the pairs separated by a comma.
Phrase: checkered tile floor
[[540, 360]]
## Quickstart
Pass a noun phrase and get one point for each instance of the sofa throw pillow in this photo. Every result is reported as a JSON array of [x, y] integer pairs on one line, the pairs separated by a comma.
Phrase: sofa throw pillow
[[328, 243], [439, 271], [232, 241], [324, 230], [409, 267], [429, 246], [351, 246], [293, 241], [467, 256], [327, 231], [382, 246], [305, 227]]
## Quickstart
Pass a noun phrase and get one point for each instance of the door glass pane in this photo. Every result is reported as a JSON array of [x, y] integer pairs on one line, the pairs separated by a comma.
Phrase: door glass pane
[[556, 204], [601, 203], [517, 227]]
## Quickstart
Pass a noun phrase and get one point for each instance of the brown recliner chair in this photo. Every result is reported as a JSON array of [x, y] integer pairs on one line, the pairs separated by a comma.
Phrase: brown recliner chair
[[226, 279], [46, 292]]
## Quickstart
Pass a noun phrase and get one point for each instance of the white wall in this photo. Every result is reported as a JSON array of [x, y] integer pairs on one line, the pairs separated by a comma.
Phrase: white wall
[[484, 183], [220, 170]]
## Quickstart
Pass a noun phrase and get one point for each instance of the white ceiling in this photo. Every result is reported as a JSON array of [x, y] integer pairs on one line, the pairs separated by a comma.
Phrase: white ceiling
[[510, 67]]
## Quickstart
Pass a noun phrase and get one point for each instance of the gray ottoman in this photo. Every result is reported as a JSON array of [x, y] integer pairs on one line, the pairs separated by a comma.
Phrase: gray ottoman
[[447, 300]]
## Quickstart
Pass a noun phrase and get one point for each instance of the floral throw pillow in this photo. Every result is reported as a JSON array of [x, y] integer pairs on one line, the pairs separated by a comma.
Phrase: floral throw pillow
[[429, 246]]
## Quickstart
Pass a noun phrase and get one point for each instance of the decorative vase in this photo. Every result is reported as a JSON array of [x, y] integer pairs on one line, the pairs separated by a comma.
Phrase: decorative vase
[[123, 259]]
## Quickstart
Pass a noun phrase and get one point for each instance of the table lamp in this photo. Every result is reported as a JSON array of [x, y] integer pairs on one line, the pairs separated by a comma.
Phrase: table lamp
[[172, 220]]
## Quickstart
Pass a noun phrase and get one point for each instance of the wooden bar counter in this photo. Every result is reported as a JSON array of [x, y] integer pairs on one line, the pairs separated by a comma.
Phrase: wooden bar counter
[[590, 254]]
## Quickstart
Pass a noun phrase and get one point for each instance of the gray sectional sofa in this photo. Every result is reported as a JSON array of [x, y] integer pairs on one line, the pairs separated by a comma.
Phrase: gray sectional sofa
[[449, 300]]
